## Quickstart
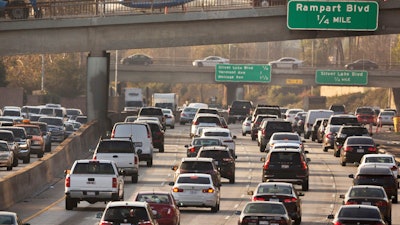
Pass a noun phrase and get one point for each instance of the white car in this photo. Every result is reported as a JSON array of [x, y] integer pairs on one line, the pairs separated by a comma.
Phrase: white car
[[129, 212], [196, 190], [381, 159], [210, 61], [246, 126], [204, 120], [284, 137], [6, 156], [286, 62], [169, 118], [224, 134]]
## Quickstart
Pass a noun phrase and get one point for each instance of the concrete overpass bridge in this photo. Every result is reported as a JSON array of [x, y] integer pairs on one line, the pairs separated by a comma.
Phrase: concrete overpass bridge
[[100, 33]]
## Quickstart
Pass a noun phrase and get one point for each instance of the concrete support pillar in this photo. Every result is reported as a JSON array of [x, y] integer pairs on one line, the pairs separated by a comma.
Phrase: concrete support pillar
[[97, 88], [234, 91], [396, 99]]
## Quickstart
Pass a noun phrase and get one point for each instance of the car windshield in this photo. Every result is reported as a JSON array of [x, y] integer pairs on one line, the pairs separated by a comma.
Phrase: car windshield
[[33, 131], [126, 215], [3, 148], [52, 121], [6, 137]]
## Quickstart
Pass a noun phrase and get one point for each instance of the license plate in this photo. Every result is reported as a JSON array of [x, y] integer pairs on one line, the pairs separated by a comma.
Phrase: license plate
[[193, 192], [365, 203], [138, 144], [274, 200], [91, 193], [91, 182], [125, 224], [360, 150], [264, 223], [285, 166]]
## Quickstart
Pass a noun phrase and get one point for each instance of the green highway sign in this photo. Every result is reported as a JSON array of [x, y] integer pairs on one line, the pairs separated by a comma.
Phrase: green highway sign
[[243, 73], [341, 77], [332, 15]]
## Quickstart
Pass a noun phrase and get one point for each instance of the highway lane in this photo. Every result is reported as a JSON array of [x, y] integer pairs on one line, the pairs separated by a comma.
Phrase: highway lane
[[327, 181]]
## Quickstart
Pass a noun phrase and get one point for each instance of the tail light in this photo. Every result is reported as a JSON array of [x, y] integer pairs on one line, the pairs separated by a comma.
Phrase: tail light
[[192, 149], [338, 223], [393, 168], [258, 199], [136, 160], [209, 190], [114, 182], [94, 157], [263, 132], [351, 203], [329, 135], [105, 223], [249, 221], [196, 122], [175, 189], [266, 164], [113, 134], [348, 149], [303, 165], [68, 182], [289, 200], [372, 149], [148, 133], [381, 203]]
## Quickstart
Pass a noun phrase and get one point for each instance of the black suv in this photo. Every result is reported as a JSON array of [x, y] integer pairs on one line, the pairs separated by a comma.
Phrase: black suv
[[344, 132], [266, 109], [377, 175], [198, 165], [286, 165], [153, 112], [239, 110], [223, 158], [270, 127]]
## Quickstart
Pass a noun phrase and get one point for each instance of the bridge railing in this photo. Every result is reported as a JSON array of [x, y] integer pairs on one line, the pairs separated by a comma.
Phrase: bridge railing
[[101, 8]]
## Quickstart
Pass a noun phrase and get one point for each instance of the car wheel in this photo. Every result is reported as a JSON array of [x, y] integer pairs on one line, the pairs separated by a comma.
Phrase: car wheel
[[305, 185], [150, 163], [214, 209], [262, 148], [343, 163], [253, 138], [40, 155], [15, 162], [297, 221], [134, 178], [9, 168], [161, 149], [70, 203], [325, 149], [243, 133], [48, 148], [232, 179], [395, 200], [27, 159], [172, 127], [336, 153]]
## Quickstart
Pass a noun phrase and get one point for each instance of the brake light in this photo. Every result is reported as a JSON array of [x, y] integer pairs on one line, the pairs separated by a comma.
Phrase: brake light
[[192, 149], [175, 189], [114, 182], [338, 223], [105, 223], [351, 203], [329, 135], [196, 122], [209, 190], [136, 159], [266, 164], [289, 200], [258, 199], [381, 203], [303, 165], [94, 157], [393, 168], [148, 133], [113, 133], [372, 149], [263, 132], [68, 182], [348, 149]]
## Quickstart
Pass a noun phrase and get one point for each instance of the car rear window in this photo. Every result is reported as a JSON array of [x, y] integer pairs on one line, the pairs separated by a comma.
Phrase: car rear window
[[216, 134], [115, 147], [93, 168], [366, 141], [367, 192], [241, 105], [207, 119], [285, 158], [274, 189], [285, 137], [217, 155], [145, 112], [194, 180], [343, 120], [379, 159], [355, 130], [206, 142], [189, 165], [379, 179], [265, 208], [359, 213], [365, 111], [122, 215], [278, 126]]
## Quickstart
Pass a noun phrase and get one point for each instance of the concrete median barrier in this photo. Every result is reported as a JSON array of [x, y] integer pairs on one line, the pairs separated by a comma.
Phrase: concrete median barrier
[[40, 174]]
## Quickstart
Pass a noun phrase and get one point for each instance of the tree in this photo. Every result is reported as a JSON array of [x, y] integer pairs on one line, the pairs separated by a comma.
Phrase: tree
[[3, 75]]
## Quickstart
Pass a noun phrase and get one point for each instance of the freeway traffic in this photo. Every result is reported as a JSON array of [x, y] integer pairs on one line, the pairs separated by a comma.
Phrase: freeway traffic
[[328, 179]]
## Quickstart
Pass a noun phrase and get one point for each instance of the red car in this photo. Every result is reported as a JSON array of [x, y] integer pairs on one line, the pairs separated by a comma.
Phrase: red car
[[164, 203]]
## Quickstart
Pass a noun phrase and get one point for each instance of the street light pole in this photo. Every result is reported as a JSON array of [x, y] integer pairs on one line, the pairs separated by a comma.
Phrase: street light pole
[[42, 78], [116, 74]]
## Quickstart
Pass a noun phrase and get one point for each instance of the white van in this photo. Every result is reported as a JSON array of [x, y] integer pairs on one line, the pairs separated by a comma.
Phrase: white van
[[311, 116], [140, 135]]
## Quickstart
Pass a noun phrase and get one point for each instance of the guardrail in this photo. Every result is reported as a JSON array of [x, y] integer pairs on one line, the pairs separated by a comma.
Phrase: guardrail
[[100, 8]]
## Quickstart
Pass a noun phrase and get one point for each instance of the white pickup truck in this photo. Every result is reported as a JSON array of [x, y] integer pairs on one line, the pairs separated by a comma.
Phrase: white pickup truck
[[93, 181]]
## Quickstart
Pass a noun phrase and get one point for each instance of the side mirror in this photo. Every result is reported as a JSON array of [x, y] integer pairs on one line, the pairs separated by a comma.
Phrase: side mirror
[[139, 152], [174, 168], [238, 212], [262, 159], [171, 183], [99, 215], [156, 214], [66, 172], [330, 216], [121, 172], [250, 193], [186, 146], [234, 137], [341, 196], [352, 176]]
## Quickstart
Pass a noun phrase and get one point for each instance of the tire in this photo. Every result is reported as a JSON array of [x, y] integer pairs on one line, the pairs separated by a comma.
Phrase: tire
[[343, 163], [215, 208], [48, 148], [9, 168], [161, 149], [262, 148], [297, 221], [150, 163], [134, 178], [336, 153], [70, 203], [305, 185], [253, 138], [325, 149], [172, 127], [243, 133], [232, 179], [19, 12], [312, 138], [395, 199], [40, 155], [15, 162], [27, 159]]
